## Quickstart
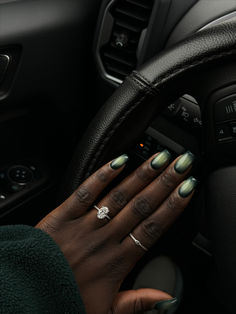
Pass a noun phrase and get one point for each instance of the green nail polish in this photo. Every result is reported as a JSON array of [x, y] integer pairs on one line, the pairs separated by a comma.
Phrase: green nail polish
[[161, 159], [119, 162], [165, 306], [187, 187], [184, 162]]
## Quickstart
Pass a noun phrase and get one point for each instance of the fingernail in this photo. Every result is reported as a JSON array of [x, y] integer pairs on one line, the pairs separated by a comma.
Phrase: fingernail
[[119, 162], [184, 162], [187, 187], [161, 159], [164, 306]]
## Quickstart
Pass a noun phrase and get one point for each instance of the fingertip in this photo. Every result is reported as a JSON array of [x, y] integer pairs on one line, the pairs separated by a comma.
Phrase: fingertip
[[119, 162], [166, 305], [139, 301], [154, 299], [184, 163], [160, 160], [188, 187]]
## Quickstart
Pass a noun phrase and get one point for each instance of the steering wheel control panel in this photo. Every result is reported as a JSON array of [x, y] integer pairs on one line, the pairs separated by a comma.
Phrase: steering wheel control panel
[[221, 126], [225, 118], [185, 112], [17, 181]]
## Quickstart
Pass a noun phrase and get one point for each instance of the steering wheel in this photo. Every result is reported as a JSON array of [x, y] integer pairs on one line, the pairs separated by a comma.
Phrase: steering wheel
[[203, 66]]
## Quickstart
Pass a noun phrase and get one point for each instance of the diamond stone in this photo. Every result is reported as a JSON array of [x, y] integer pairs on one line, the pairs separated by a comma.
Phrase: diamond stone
[[102, 212]]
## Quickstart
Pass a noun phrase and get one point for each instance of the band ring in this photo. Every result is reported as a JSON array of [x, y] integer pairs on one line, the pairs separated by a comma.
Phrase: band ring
[[102, 212], [137, 242]]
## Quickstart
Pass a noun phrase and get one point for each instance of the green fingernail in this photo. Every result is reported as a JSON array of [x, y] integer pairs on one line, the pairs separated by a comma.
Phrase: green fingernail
[[161, 159], [119, 162], [164, 307], [184, 162], [187, 187]]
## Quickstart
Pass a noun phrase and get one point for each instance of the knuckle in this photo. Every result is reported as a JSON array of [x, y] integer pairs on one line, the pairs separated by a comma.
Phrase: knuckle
[[143, 173], [91, 249], [118, 199], [83, 195], [93, 246], [102, 176], [141, 207], [167, 179], [152, 230], [173, 203]]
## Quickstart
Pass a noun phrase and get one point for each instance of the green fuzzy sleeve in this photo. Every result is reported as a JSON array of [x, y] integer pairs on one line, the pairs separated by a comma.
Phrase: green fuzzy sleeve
[[34, 274]]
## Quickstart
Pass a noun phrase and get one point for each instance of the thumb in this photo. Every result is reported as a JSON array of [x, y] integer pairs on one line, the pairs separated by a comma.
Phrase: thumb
[[139, 301]]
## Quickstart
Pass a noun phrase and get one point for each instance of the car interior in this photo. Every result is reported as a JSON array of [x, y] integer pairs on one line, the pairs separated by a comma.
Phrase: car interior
[[84, 81]]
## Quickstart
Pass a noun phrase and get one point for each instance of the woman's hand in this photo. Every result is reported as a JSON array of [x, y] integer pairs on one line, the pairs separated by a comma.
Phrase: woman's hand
[[101, 252]]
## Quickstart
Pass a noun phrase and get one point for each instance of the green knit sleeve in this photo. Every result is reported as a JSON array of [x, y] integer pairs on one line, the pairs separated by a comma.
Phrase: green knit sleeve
[[34, 274]]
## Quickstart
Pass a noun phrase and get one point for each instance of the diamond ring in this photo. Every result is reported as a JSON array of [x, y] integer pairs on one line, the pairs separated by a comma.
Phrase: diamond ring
[[103, 212]]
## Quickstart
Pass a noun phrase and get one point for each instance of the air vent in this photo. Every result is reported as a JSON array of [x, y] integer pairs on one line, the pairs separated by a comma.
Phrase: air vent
[[130, 19]]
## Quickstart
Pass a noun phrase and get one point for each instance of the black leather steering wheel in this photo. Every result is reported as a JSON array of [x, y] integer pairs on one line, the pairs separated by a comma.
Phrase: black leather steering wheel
[[203, 66]]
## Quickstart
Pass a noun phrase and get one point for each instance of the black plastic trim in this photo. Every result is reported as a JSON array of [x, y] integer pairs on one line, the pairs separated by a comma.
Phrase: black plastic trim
[[55, 40]]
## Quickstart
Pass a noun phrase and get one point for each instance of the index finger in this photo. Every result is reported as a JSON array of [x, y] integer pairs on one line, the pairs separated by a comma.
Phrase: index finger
[[86, 194]]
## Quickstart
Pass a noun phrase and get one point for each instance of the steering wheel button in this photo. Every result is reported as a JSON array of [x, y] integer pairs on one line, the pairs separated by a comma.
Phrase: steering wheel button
[[225, 109], [223, 132], [172, 109]]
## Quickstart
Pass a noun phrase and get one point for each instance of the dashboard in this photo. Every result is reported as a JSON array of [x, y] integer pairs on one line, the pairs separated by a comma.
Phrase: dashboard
[[130, 32]]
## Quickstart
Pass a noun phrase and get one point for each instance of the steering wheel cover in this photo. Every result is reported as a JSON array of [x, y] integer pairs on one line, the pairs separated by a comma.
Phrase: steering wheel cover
[[131, 108]]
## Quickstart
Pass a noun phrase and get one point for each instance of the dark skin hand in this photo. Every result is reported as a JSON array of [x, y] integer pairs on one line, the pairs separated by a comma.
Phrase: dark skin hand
[[100, 252]]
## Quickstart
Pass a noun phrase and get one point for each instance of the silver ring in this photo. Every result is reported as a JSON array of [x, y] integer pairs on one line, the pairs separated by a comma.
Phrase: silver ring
[[137, 242], [102, 212]]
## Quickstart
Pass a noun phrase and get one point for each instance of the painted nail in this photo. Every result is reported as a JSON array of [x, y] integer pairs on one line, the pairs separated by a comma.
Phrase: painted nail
[[119, 162], [161, 159], [187, 187], [184, 162], [164, 307]]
